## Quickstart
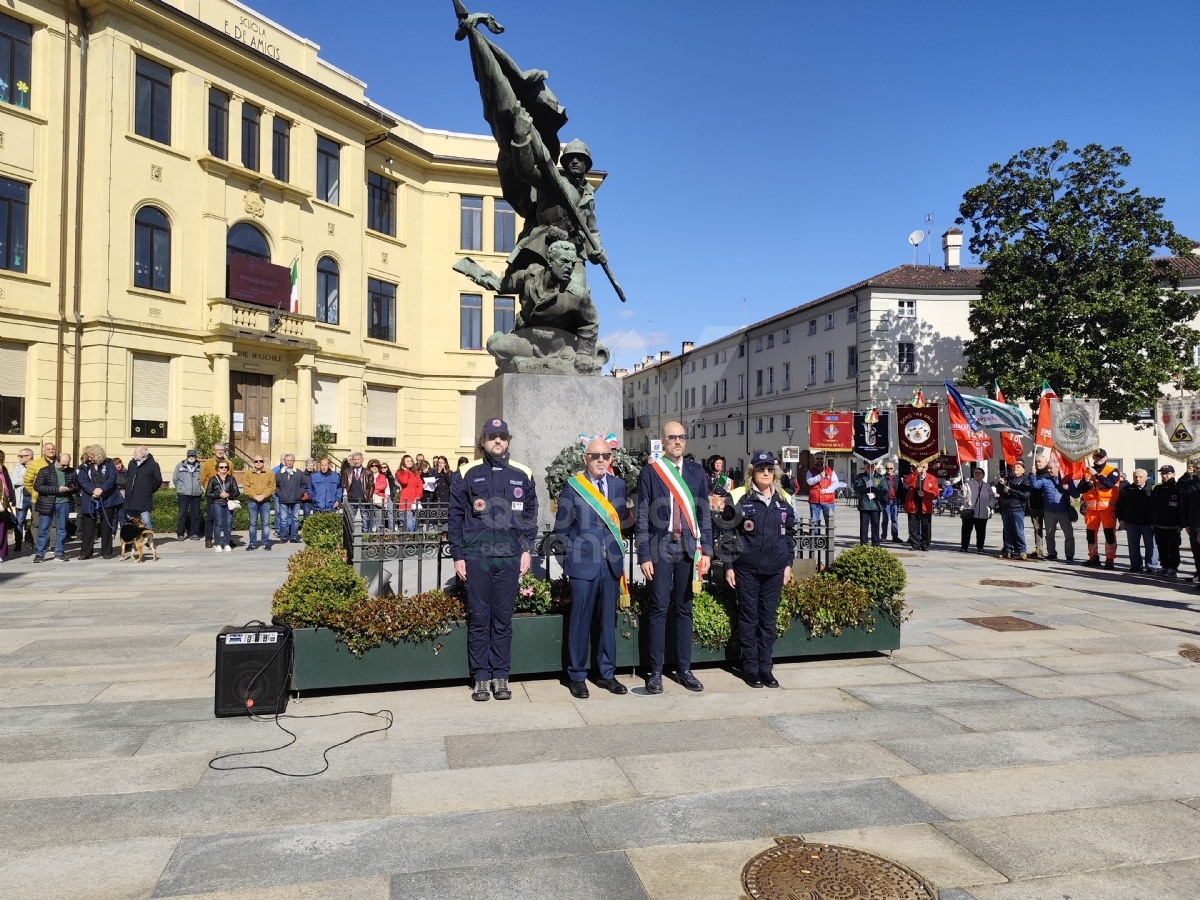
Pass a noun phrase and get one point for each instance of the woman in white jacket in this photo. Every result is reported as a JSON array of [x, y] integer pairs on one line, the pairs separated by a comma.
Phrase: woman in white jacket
[[979, 500]]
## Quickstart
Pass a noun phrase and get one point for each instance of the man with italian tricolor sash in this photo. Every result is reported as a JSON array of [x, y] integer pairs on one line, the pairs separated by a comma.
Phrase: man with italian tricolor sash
[[592, 512], [673, 537]]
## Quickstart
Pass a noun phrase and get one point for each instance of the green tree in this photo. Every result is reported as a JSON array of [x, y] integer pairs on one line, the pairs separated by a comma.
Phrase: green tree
[[207, 430], [1070, 292], [322, 438]]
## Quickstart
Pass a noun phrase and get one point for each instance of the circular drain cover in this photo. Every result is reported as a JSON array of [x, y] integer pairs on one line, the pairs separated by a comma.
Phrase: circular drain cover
[[796, 870]]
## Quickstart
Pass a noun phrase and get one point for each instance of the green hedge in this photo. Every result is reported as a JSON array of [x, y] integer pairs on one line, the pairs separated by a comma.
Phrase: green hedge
[[166, 511]]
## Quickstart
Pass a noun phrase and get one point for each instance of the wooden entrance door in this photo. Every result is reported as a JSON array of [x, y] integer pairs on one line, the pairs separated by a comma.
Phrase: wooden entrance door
[[252, 415]]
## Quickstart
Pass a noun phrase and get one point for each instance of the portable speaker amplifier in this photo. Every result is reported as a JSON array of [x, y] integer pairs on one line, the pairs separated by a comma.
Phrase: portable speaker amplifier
[[253, 664]]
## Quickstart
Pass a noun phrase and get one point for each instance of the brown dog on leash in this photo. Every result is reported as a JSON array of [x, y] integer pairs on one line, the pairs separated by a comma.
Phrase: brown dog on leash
[[136, 537]]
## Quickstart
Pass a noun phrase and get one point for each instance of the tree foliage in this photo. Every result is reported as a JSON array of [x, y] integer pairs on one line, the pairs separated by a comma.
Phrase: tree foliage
[[207, 431], [1070, 292]]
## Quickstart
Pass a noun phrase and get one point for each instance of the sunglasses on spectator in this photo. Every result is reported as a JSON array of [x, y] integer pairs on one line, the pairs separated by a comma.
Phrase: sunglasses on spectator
[[676, 437], [501, 435], [259, 462], [222, 467], [767, 469], [598, 455], [374, 467]]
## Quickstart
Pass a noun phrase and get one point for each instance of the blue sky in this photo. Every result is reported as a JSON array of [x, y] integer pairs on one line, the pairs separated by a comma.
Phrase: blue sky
[[772, 152]]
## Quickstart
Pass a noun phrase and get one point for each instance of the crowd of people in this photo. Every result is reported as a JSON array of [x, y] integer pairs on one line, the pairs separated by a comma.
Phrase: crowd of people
[[48, 496]]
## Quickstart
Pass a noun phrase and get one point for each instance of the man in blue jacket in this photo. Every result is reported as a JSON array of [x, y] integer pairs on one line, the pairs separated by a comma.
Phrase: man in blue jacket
[[674, 548], [592, 511], [1056, 494], [325, 487]]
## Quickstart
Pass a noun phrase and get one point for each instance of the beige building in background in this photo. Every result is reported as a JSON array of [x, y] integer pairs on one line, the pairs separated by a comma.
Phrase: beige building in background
[[208, 130]]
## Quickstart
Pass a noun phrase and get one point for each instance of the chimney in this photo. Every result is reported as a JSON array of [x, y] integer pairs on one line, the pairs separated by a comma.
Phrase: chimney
[[637, 367], [620, 373], [687, 346], [647, 361], [664, 355], [952, 247]]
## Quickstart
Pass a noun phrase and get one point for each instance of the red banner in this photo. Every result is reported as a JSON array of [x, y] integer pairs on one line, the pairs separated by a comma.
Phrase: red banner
[[1044, 438], [254, 281], [1010, 444], [972, 447], [917, 432], [831, 431]]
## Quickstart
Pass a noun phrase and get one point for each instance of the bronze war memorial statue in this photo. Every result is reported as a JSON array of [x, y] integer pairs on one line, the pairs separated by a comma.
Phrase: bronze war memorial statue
[[556, 324]]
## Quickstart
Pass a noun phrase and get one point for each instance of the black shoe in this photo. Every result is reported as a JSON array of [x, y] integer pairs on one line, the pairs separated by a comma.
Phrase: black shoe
[[179, 537], [250, 547], [481, 691], [1133, 570], [612, 685], [752, 679], [579, 690], [924, 548], [768, 679], [897, 540], [207, 544], [653, 682], [62, 557], [1109, 564], [267, 546], [963, 550], [689, 681], [500, 689], [38, 559], [1093, 562]]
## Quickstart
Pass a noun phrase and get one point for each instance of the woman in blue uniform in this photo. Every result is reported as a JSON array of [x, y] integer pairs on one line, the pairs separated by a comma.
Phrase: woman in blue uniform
[[759, 545]]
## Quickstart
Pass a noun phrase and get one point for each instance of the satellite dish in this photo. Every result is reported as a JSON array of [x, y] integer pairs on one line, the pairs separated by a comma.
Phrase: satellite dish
[[916, 237]]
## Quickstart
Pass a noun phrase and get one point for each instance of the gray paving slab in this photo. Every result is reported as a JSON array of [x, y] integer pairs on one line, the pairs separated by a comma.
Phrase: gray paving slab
[[1098, 685], [1018, 715], [955, 894], [1001, 749], [1159, 705], [1082, 840], [105, 715], [515, 747], [903, 696], [1174, 880], [294, 855], [71, 743], [598, 876], [862, 725], [750, 813], [974, 669], [362, 757]]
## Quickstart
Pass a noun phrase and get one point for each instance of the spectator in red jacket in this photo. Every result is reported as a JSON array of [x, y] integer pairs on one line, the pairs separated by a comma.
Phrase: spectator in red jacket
[[918, 503], [410, 486]]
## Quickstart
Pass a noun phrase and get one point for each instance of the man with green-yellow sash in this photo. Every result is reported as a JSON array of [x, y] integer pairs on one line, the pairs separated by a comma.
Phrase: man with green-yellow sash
[[592, 512]]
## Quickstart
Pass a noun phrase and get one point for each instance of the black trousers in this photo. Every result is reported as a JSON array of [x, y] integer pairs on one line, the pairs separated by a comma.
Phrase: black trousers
[[758, 606], [189, 509], [979, 526], [671, 584], [491, 590], [868, 519], [1167, 540], [920, 527], [88, 526]]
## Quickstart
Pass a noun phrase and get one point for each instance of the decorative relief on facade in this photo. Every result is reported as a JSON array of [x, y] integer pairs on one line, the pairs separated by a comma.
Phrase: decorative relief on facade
[[156, 173], [253, 203]]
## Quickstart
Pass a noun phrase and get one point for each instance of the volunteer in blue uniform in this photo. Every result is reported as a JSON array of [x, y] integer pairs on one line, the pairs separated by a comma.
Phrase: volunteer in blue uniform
[[591, 515], [493, 524], [673, 536], [759, 546]]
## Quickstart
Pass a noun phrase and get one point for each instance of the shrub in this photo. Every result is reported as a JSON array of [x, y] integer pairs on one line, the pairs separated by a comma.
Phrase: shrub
[[533, 595], [309, 598], [310, 558], [823, 603], [420, 617], [322, 531], [322, 439], [712, 624], [207, 430], [878, 573], [165, 510]]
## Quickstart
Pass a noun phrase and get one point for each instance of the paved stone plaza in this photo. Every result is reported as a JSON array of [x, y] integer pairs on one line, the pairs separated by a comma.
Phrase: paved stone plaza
[[1000, 766]]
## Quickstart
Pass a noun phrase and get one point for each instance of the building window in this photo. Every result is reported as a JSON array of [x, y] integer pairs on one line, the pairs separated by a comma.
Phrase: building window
[[504, 227], [381, 204], [152, 112], [470, 321], [758, 383], [787, 335], [251, 116], [770, 340], [758, 426], [1150, 465], [692, 398], [741, 387], [470, 227], [724, 356], [704, 361], [851, 362], [758, 347], [812, 370], [741, 350], [14, 224], [12, 388], [787, 376], [218, 123], [741, 426], [771, 380], [787, 422], [505, 312], [908, 359], [704, 395], [381, 310], [852, 314], [149, 396], [152, 250], [906, 309], [329, 169], [16, 42], [247, 240], [381, 416], [829, 321], [693, 434], [829, 366], [703, 431], [812, 326], [281, 148], [327, 291], [325, 403], [771, 423], [724, 391]]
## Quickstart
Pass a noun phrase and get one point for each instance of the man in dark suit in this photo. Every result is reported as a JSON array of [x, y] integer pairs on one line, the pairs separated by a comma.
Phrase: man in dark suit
[[674, 543], [593, 561]]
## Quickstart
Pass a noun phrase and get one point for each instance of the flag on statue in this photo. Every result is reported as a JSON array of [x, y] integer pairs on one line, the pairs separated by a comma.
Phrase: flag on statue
[[1010, 444], [295, 280]]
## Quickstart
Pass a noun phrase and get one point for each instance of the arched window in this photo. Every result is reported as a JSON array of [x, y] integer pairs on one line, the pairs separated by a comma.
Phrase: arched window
[[152, 250], [247, 240], [327, 291]]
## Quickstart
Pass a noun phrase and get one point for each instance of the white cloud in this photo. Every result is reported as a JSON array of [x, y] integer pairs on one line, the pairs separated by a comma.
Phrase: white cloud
[[634, 341], [627, 313]]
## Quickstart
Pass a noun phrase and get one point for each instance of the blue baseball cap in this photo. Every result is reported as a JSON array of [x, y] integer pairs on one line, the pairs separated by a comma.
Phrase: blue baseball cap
[[762, 458], [495, 426]]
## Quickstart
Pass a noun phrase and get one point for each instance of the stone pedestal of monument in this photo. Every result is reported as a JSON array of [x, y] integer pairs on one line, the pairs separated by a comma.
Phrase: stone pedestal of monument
[[546, 413]]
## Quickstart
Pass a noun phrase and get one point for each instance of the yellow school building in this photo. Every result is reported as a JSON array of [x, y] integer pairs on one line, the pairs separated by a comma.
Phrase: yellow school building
[[200, 215]]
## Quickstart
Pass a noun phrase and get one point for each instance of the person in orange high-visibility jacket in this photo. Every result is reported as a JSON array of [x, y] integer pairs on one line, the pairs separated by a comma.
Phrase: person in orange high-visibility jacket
[[1098, 491]]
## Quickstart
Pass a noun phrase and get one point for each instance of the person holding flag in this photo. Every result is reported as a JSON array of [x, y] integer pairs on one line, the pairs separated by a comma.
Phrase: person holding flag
[[673, 537], [1013, 450], [592, 511]]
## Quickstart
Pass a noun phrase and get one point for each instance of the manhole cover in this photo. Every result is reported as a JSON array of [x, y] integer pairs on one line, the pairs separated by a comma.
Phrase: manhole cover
[[1000, 582], [1190, 653], [794, 869], [1007, 623]]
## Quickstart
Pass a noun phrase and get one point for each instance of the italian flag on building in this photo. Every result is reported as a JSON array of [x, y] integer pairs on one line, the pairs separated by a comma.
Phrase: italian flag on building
[[294, 305]]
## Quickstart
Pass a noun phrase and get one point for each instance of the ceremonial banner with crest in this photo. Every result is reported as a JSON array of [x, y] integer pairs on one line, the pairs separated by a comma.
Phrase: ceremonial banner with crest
[[872, 439], [1177, 422], [831, 431], [1075, 427], [917, 432]]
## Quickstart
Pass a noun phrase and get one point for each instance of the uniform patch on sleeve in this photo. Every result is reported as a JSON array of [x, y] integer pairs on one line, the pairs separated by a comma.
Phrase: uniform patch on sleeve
[[518, 493], [748, 524], [480, 505]]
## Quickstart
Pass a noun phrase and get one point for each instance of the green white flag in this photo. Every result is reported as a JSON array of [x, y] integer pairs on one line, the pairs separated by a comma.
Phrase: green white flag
[[295, 298]]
